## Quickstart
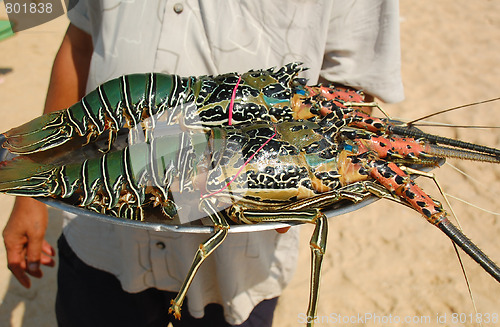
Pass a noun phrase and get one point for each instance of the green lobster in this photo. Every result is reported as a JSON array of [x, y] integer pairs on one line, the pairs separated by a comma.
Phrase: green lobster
[[251, 148]]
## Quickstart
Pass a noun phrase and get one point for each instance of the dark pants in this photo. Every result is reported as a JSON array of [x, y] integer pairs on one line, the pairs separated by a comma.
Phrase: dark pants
[[90, 297]]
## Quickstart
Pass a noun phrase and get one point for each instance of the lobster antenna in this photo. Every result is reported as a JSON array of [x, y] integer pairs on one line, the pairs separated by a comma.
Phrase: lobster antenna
[[466, 279], [451, 109], [411, 132], [469, 177], [368, 104], [449, 152], [436, 124], [472, 205]]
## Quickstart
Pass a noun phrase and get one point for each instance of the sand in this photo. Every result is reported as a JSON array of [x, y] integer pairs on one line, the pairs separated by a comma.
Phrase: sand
[[384, 263]]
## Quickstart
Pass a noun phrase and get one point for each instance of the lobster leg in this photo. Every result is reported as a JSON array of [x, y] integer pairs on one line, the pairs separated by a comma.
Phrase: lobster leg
[[205, 249], [300, 212], [296, 212], [399, 183], [317, 242], [318, 249]]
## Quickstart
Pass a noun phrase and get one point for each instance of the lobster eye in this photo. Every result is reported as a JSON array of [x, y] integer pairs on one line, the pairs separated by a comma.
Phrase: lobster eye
[[299, 82]]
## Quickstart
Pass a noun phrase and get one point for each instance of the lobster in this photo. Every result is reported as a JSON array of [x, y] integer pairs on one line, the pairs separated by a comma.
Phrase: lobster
[[252, 148]]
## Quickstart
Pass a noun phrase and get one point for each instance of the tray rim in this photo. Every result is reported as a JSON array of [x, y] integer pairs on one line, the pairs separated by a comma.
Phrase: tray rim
[[161, 227]]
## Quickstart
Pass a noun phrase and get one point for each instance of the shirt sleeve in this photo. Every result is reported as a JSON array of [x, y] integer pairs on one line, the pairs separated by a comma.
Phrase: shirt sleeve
[[78, 15], [363, 48]]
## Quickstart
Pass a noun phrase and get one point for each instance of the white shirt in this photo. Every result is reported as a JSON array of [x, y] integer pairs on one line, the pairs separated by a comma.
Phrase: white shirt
[[351, 42]]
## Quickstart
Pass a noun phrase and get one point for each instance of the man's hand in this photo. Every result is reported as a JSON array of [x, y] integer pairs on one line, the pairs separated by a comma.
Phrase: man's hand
[[24, 240]]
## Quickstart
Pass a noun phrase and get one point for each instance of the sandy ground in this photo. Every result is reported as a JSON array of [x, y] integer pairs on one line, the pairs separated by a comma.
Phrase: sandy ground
[[384, 263]]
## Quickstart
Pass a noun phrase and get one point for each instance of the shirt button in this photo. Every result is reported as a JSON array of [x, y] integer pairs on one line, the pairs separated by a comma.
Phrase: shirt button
[[160, 245], [178, 8]]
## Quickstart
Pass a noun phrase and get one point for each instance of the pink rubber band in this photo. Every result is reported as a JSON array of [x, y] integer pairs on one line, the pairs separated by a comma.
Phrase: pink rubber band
[[239, 171], [231, 104]]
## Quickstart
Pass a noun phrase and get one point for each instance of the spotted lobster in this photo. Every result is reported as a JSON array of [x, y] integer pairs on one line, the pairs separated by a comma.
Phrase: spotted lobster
[[252, 148]]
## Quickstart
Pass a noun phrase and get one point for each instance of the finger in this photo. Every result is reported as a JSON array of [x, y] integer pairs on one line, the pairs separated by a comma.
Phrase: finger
[[48, 249], [47, 260], [34, 269], [283, 230], [19, 272], [16, 262], [34, 254], [47, 253], [35, 245]]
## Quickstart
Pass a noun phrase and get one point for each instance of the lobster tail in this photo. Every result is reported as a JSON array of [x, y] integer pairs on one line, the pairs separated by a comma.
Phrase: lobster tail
[[42, 133], [119, 103], [25, 177], [470, 248]]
